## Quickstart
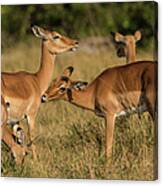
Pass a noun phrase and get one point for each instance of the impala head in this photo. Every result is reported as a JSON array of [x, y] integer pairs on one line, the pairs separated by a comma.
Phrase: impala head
[[55, 42], [62, 87], [123, 43]]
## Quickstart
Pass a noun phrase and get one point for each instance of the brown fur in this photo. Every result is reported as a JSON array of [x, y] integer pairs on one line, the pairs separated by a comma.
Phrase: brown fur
[[23, 90], [115, 90]]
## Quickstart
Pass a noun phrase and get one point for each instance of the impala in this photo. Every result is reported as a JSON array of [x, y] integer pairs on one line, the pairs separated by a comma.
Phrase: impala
[[22, 90], [126, 45], [7, 136], [115, 92]]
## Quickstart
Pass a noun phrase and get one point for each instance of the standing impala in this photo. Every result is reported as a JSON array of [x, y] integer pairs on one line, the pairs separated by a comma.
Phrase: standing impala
[[126, 45], [115, 92], [22, 90]]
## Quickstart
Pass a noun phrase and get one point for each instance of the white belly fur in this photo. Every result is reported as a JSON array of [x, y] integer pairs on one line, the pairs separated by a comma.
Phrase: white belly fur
[[132, 110]]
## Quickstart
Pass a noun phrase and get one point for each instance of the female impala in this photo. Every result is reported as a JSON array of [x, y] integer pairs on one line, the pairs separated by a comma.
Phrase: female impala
[[126, 45], [22, 90], [111, 94]]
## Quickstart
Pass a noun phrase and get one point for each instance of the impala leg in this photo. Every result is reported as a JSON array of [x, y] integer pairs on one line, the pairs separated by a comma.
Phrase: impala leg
[[151, 101], [31, 121], [152, 108], [110, 121]]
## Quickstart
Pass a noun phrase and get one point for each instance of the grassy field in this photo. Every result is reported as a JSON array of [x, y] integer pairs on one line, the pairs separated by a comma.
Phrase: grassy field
[[71, 140]]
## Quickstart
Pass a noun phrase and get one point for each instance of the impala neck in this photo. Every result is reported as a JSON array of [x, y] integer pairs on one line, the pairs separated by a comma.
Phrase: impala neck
[[84, 98], [45, 71], [131, 53]]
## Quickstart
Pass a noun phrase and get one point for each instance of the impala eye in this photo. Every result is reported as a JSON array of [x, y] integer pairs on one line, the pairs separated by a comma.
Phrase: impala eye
[[56, 37], [62, 89]]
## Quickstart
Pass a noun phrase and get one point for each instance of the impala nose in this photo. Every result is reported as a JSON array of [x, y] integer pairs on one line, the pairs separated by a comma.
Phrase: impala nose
[[121, 52], [43, 98]]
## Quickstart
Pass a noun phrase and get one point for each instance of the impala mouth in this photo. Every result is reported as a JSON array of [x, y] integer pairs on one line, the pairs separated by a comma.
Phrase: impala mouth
[[73, 49], [121, 52], [43, 99]]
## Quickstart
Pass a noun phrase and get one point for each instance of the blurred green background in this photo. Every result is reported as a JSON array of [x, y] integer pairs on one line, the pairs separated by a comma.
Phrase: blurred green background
[[80, 20]]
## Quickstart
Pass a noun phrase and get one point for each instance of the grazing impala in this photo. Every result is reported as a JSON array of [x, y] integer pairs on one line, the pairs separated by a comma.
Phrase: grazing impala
[[17, 150], [126, 45], [115, 92], [22, 90]]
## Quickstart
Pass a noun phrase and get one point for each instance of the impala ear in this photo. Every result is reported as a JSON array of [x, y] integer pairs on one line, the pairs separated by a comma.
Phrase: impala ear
[[68, 71], [118, 37], [137, 35], [80, 85], [39, 32]]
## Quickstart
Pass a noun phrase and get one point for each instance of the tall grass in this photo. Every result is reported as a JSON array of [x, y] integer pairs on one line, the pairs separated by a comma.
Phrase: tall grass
[[71, 140]]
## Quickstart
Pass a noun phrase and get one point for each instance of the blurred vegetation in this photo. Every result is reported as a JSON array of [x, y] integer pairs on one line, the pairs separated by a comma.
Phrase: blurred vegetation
[[80, 20]]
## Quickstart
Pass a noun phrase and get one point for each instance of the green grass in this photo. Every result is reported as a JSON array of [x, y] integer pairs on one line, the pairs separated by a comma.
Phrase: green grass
[[71, 140]]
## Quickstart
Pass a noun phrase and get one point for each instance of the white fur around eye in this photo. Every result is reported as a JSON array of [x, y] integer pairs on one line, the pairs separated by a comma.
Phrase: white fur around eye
[[62, 86]]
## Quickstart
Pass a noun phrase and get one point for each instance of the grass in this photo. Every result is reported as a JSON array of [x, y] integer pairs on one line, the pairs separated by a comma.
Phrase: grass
[[71, 140]]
